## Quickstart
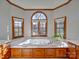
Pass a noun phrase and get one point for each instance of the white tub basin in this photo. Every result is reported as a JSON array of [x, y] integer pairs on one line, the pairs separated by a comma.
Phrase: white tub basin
[[36, 42]]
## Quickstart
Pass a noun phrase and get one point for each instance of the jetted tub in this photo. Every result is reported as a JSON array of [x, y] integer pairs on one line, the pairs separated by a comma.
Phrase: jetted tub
[[39, 48], [36, 42], [42, 43]]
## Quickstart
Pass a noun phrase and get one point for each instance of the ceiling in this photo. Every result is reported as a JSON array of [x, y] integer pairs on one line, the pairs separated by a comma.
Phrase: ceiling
[[38, 4]]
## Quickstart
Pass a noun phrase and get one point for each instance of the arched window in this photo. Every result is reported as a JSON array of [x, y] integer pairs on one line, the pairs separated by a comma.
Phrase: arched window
[[39, 24]]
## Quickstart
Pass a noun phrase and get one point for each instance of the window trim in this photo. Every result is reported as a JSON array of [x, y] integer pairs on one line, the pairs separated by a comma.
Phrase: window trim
[[65, 25], [13, 33], [39, 25]]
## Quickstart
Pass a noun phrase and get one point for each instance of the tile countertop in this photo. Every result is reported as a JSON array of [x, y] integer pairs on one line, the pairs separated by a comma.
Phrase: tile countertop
[[38, 47], [76, 42], [32, 46]]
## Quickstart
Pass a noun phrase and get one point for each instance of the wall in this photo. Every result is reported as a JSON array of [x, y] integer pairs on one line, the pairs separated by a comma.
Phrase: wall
[[72, 12], [10, 11], [6, 13], [14, 11], [4, 19], [27, 24]]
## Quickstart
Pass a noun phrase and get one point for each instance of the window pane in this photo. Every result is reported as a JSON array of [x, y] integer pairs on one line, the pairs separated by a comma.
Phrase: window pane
[[39, 16], [61, 31], [16, 22], [20, 30], [35, 26], [34, 33], [42, 25], [42, 32], [60, 27], [16, 30], [39, 24], [20, 33], [17, 26], [20, 24], [16, 34]]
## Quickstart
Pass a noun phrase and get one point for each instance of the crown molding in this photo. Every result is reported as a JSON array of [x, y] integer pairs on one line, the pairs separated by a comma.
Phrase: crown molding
[[39, 9]]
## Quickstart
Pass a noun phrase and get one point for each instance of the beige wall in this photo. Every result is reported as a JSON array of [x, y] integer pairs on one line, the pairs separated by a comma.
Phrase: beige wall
[[14, 11], [4, 19], [72, 12], [6, 12], [27, 16]]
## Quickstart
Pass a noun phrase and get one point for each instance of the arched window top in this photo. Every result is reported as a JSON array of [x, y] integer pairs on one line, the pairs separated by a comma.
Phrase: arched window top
[[39, 24], [39, 15]]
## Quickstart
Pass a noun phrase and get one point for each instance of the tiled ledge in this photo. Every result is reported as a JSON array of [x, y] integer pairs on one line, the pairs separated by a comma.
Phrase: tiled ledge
[[76, 42], [4, 41]]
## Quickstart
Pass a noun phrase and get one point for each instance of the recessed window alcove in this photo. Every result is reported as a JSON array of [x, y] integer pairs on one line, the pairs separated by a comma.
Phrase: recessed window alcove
[[39, 24]]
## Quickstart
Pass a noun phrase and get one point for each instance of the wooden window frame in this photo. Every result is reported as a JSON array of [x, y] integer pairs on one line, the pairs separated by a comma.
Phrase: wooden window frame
[[13, 33], [65, 25], [39, 25]]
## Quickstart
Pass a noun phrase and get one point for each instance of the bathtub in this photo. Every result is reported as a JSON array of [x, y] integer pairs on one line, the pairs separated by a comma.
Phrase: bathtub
[[42, 43], [38, 48], [36, 42]]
